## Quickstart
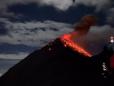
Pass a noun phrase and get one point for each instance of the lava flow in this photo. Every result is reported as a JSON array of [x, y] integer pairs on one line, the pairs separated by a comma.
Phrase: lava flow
[[81, 29], [68, 42]]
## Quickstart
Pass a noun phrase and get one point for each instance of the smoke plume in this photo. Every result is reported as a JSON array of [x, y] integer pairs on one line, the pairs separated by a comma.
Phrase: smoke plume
[[98, 37], [83, 27], [91, 37]]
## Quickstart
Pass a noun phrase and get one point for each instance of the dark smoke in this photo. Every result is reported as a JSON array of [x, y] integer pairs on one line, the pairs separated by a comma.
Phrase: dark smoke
[[96, 38], [84, 24], [91, 37]]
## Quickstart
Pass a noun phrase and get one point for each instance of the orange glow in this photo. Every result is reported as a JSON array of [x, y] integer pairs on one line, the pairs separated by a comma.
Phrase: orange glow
[[81, 29], [67, 41]]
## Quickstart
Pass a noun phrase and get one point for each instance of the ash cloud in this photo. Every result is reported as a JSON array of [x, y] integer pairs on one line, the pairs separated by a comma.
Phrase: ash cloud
[[90, 36], [96, 38]]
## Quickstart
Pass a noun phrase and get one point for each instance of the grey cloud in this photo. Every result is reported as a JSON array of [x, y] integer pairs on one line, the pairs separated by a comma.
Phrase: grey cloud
[[96, 38], [3, 30], [100, 4], [31, 33], [14, 56], [58, 4]]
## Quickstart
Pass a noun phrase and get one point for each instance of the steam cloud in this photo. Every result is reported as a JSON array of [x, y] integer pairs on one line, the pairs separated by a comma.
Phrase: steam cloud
[[82, 28], [93, 38], [96, 38]]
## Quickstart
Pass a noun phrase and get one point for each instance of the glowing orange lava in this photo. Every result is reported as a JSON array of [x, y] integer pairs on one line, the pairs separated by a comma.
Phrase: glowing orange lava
[[67, 41]]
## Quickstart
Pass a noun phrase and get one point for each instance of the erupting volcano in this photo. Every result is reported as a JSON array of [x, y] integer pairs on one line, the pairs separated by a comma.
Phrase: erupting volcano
[[63, 62], [81, 29], [68, 42]]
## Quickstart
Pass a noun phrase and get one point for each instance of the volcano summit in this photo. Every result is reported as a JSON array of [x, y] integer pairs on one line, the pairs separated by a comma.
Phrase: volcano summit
[[57, 65], [63, 63]]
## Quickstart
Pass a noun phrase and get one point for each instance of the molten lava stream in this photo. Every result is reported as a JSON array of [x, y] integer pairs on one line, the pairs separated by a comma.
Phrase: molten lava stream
[[67, 41]]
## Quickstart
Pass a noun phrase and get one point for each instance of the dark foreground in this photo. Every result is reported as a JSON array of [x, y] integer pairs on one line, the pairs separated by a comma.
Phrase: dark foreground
[[56, 65]]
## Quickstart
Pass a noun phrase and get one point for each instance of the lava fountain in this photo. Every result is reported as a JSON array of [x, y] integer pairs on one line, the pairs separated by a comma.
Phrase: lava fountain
[[81, 29], [68, 42]]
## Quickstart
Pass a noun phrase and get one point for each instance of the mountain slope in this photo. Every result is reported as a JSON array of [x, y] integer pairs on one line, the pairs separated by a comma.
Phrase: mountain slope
[[55, 65]]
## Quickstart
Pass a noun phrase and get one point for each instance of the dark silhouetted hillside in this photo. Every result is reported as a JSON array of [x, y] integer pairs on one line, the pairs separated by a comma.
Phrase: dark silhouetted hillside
[[56, 65]]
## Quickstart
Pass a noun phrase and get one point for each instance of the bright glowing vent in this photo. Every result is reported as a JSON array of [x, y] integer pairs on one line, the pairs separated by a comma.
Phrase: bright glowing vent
[[68, 42]]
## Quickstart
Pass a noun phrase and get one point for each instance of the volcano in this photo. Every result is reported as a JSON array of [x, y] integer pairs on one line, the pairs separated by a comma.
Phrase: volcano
[[60, 63]]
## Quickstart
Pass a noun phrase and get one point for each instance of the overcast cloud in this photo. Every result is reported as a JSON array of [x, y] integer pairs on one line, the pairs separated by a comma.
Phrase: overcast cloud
[[14, 56], [59, 4], [38, 34], [33, 33]]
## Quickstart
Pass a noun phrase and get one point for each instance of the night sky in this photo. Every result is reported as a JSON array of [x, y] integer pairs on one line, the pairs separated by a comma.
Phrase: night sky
[[27, 25]]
